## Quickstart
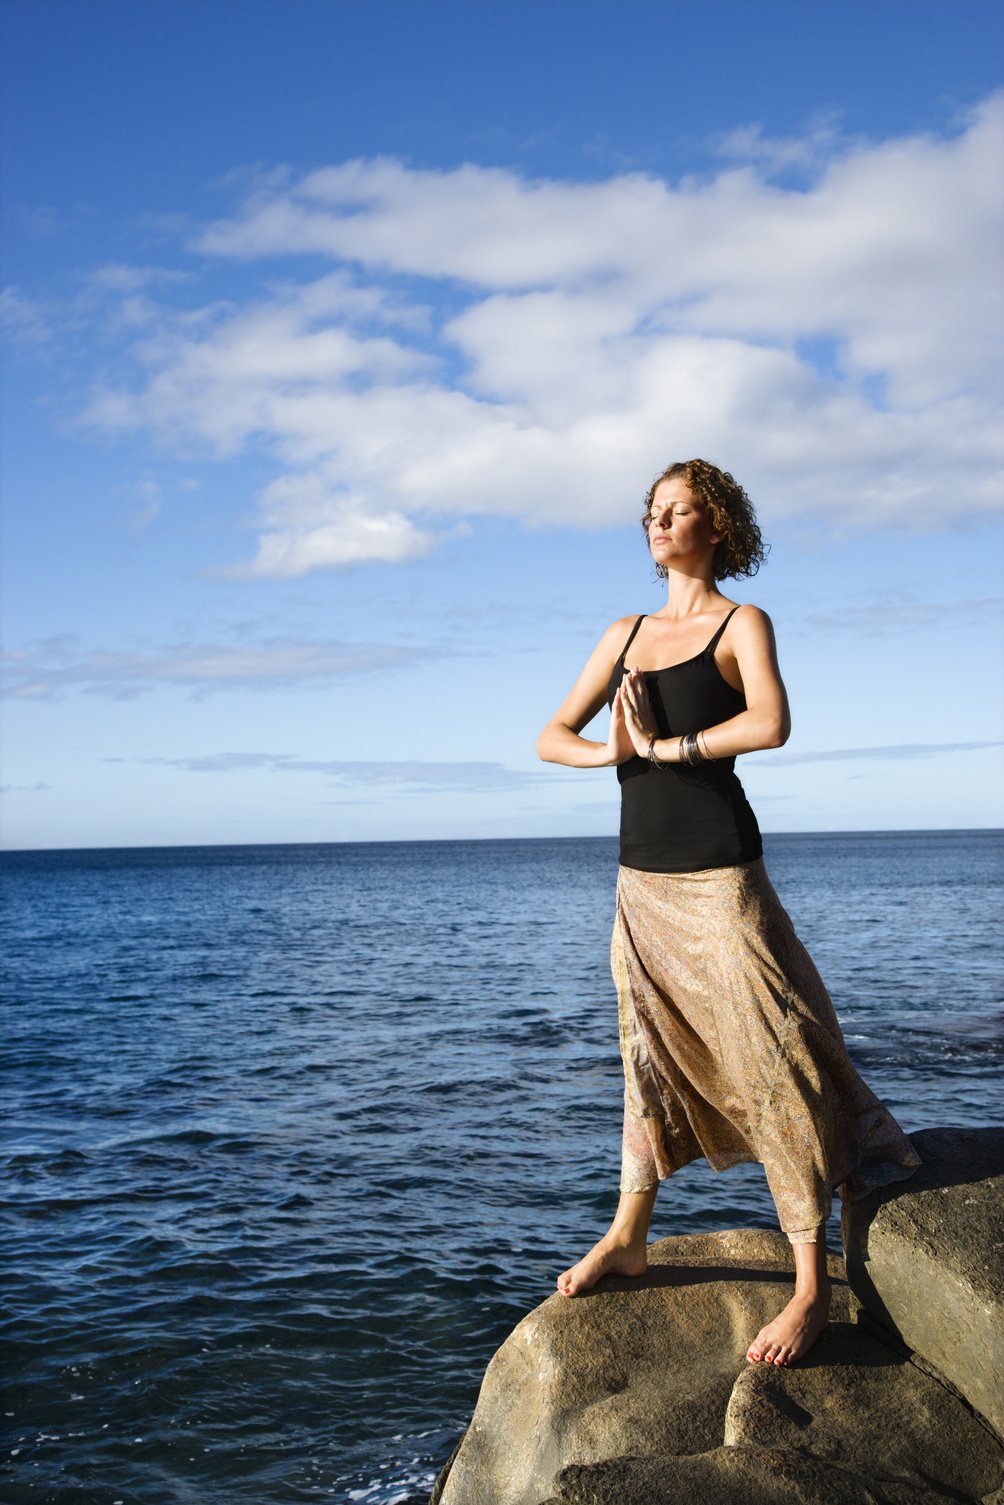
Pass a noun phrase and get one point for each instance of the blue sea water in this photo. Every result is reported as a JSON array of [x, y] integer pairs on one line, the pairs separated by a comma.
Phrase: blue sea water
[[296, 1134]]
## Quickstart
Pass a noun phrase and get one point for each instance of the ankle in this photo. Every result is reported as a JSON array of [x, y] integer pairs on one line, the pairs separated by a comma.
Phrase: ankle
[[624, 1234], [814, 1290]]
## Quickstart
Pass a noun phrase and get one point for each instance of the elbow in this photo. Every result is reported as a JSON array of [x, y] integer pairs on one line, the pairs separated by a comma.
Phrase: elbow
[[775, 731], [780, 732], [548, 745]]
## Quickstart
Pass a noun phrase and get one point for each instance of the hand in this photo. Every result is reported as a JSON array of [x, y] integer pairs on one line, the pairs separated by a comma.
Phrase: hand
[[639, 718], [619, 744]]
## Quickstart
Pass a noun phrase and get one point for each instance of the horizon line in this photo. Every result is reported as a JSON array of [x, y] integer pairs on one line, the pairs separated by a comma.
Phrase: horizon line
[[182, 846]]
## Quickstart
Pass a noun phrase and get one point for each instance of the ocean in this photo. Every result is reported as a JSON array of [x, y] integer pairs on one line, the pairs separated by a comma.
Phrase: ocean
[[295, 1135]]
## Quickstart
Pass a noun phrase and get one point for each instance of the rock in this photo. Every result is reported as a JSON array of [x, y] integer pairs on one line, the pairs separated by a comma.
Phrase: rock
[[639, 1392], [926, 1258], [864, 1405], [730, 1476], [651, 1358]]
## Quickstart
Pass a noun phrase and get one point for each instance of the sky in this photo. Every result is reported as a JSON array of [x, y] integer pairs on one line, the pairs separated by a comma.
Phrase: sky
[[343, 339]]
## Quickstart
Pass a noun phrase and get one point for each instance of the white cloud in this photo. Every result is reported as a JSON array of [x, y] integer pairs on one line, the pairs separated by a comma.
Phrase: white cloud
[[226, 375], [317, 528], [488, 342]]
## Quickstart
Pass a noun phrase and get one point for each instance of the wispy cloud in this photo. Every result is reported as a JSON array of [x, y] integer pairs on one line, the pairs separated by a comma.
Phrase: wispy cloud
[[121, 277], [887, 613], [51, 667], [415, 775], [149, 494], [25, 319], [897, 751], [408, 775], [821, 142], [485, 342]]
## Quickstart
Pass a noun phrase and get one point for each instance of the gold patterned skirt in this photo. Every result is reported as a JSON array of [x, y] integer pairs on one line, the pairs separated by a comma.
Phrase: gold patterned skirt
[[732, 1049]]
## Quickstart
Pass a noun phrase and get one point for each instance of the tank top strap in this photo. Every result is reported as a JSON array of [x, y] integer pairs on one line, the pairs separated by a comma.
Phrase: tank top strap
[[631, 634], [714, 641]]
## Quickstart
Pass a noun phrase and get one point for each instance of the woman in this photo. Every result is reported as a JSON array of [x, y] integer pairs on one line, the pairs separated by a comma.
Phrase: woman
[[730, 1044]]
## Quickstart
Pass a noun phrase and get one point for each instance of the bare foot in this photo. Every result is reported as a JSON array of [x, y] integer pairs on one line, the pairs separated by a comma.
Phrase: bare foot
[[610, 1256], [793, 1331]]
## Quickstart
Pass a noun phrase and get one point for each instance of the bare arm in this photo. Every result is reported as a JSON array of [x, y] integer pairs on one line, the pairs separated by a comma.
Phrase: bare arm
[[766, 722], [560, 742]]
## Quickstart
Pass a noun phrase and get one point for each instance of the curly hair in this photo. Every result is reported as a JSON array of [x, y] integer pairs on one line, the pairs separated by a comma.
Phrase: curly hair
[[742, 549]]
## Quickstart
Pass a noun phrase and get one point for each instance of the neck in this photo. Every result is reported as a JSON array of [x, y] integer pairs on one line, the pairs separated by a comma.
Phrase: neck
[[689, 592]]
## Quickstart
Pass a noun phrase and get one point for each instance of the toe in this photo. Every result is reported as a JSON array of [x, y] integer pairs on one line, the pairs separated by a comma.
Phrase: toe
[[756, 1348]]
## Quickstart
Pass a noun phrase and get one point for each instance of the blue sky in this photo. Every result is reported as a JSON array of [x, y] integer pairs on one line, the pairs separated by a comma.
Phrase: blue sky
[[344, 339]]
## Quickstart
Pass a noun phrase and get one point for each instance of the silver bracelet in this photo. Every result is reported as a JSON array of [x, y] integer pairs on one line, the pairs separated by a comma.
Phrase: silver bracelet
[[690, 749], [657, 762]]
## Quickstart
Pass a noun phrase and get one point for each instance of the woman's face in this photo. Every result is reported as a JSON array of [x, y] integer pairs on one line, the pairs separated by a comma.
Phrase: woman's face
[[679, 526]]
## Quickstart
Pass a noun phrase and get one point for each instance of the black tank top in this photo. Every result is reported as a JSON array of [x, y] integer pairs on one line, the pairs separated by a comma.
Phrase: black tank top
[[685, 817]]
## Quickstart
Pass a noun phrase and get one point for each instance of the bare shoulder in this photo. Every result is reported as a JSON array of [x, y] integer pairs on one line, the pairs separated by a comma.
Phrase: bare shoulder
[[625, 624], [752, 629], [752, 621], [616, 635]]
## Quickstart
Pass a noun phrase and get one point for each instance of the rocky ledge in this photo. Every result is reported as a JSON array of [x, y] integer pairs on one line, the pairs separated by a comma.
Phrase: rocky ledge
[[639, 1391]]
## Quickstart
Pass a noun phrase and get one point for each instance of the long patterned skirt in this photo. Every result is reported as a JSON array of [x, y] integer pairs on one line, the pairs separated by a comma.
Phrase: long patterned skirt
[[732, 1049]]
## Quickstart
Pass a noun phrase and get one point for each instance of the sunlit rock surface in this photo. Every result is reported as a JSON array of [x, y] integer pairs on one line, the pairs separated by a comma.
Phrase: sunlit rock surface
[[639, 1391]]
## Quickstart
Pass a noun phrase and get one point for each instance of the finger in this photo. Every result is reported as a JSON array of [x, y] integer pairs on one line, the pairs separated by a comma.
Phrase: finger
[[643, 702], [630, 687]]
